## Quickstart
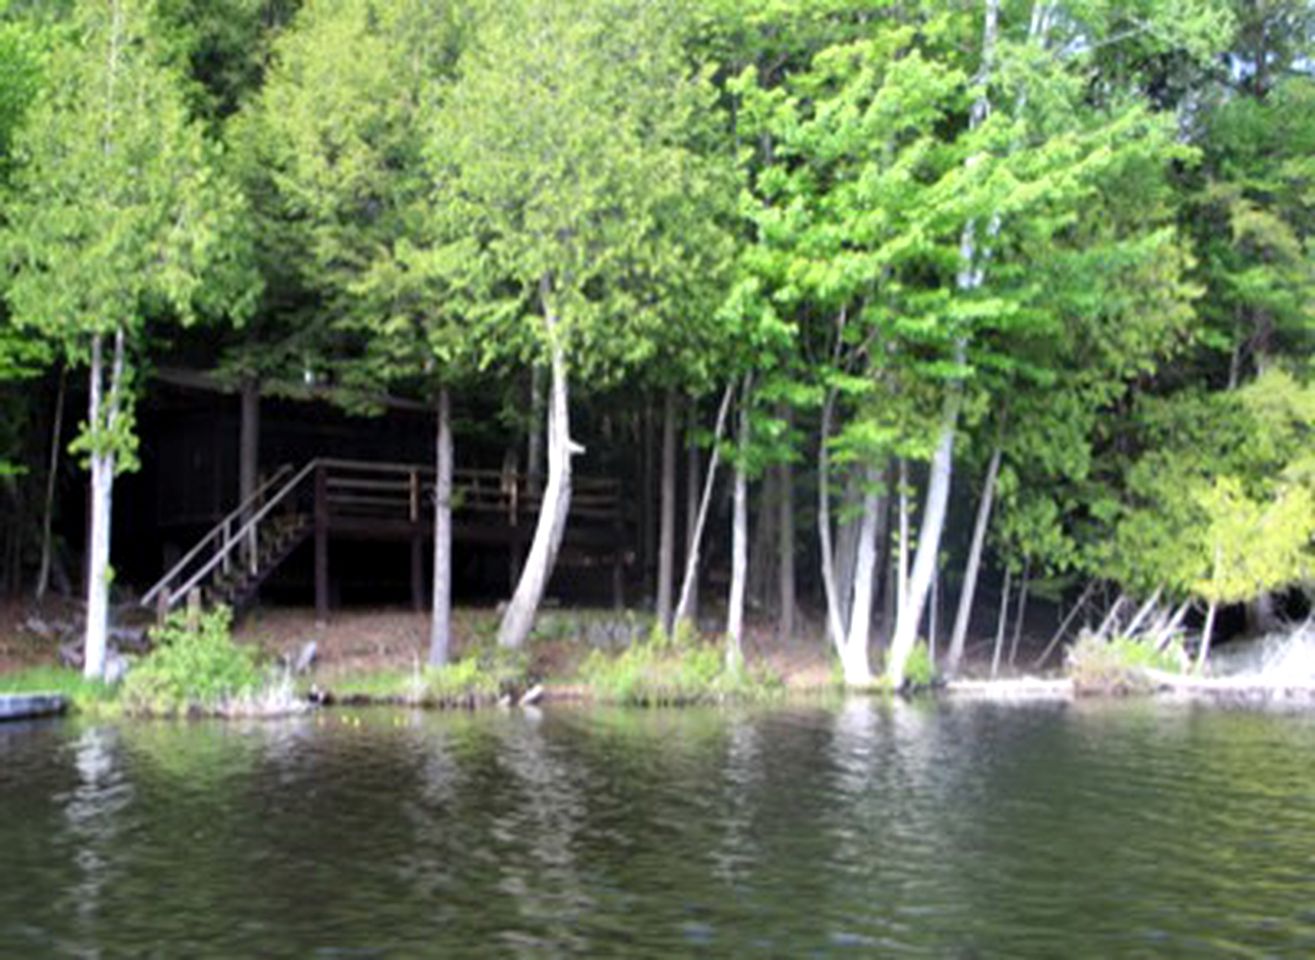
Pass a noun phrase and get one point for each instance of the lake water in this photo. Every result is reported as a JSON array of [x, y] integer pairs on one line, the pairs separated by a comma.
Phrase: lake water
[[867, 829]]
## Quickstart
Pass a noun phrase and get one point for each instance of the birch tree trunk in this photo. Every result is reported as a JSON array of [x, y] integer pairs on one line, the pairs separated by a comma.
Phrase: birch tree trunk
[[938, 487], [1207, 633], [902, 560], [929, 539], [1021, 612], [739, 538], [551, 523], [103, 418], [849, 525], [440, 624], [1001, 624], [667, 526], [693, 486], [963, 616], [834, 623], [52, 478], [854, 657], [687, 585]]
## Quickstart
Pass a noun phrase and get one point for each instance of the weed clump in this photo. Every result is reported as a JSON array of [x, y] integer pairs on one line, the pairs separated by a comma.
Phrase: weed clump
[[196, 669], [1121, 665], [672, 671]]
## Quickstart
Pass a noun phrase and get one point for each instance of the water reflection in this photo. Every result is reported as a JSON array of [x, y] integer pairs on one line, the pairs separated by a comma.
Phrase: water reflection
[[92, 812], [872, 829]]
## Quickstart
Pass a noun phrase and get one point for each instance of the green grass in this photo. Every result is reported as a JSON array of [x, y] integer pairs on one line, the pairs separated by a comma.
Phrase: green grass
[[86, 696], [664, 673], [482, 676]]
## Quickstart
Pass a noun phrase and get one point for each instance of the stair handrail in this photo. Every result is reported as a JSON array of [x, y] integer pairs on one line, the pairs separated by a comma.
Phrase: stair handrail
[[217, 530], [236, 538]]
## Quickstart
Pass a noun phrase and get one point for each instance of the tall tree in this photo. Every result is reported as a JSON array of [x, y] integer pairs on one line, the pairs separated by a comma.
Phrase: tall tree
[[564, 151], [118, 221]]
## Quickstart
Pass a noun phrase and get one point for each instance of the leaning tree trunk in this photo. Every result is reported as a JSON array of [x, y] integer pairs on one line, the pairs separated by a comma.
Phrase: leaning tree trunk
[[1207, 634], [963, 615], [667, 524], [970, 277], [739, 538], [902, 560], [1001, 624], [854, 656], [52, 477], [692, 488], [687, 586], [440, 625], [835, 627], [103, 417], [929, 538], [556, 504]]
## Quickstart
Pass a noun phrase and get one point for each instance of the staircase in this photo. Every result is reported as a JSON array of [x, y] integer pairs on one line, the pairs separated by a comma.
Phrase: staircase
[[229, 563], [372, 501]]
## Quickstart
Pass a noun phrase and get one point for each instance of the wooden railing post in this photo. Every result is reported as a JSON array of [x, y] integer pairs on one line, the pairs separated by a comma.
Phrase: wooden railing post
[[321, 545]]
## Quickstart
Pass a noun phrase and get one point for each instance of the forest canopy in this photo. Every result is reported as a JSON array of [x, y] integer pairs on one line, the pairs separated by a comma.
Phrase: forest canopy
[[1028, 286]]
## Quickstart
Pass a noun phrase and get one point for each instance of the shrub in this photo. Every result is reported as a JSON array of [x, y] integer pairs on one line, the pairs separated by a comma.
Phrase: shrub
[[1120, 665], [668, 672], [919, 670], [192, 669]]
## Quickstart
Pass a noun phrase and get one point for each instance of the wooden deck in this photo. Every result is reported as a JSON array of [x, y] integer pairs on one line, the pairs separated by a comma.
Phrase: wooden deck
[[361, 500]]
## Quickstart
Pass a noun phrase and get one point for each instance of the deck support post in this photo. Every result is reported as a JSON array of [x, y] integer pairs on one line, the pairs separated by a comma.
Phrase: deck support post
[[417, 571], [321, 546]]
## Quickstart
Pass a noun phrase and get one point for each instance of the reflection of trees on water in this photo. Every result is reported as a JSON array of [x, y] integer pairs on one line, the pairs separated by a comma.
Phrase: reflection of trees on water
[[736, 850], [537, 837], [92, 814]]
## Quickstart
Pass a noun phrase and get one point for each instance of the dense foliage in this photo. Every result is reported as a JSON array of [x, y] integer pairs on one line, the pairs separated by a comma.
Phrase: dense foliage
[[1068, 247]]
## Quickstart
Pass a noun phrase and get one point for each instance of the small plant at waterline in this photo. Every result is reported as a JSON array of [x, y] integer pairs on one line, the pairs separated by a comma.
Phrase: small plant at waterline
[[919, 670], [671, 671], [196, 668], [1119, 665]]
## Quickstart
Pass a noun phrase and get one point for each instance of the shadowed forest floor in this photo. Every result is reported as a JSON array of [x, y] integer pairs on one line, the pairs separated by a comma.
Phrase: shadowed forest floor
[[376, 639]]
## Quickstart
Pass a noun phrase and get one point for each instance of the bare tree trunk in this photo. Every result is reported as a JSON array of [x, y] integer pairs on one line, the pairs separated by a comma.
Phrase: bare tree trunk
[[739, 537], [1060, 630], [834, 622], [103, 416], [850, 523], [692, 488], [929, 536], [52, 478], [1021, 612], [551, 524], [1001, 624], [854, 658], [440, 624], [1207, 633], [969, 279], [785, 566], [692, 550], [933, 613], [902, 570], [963, 616], [667, 526]]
